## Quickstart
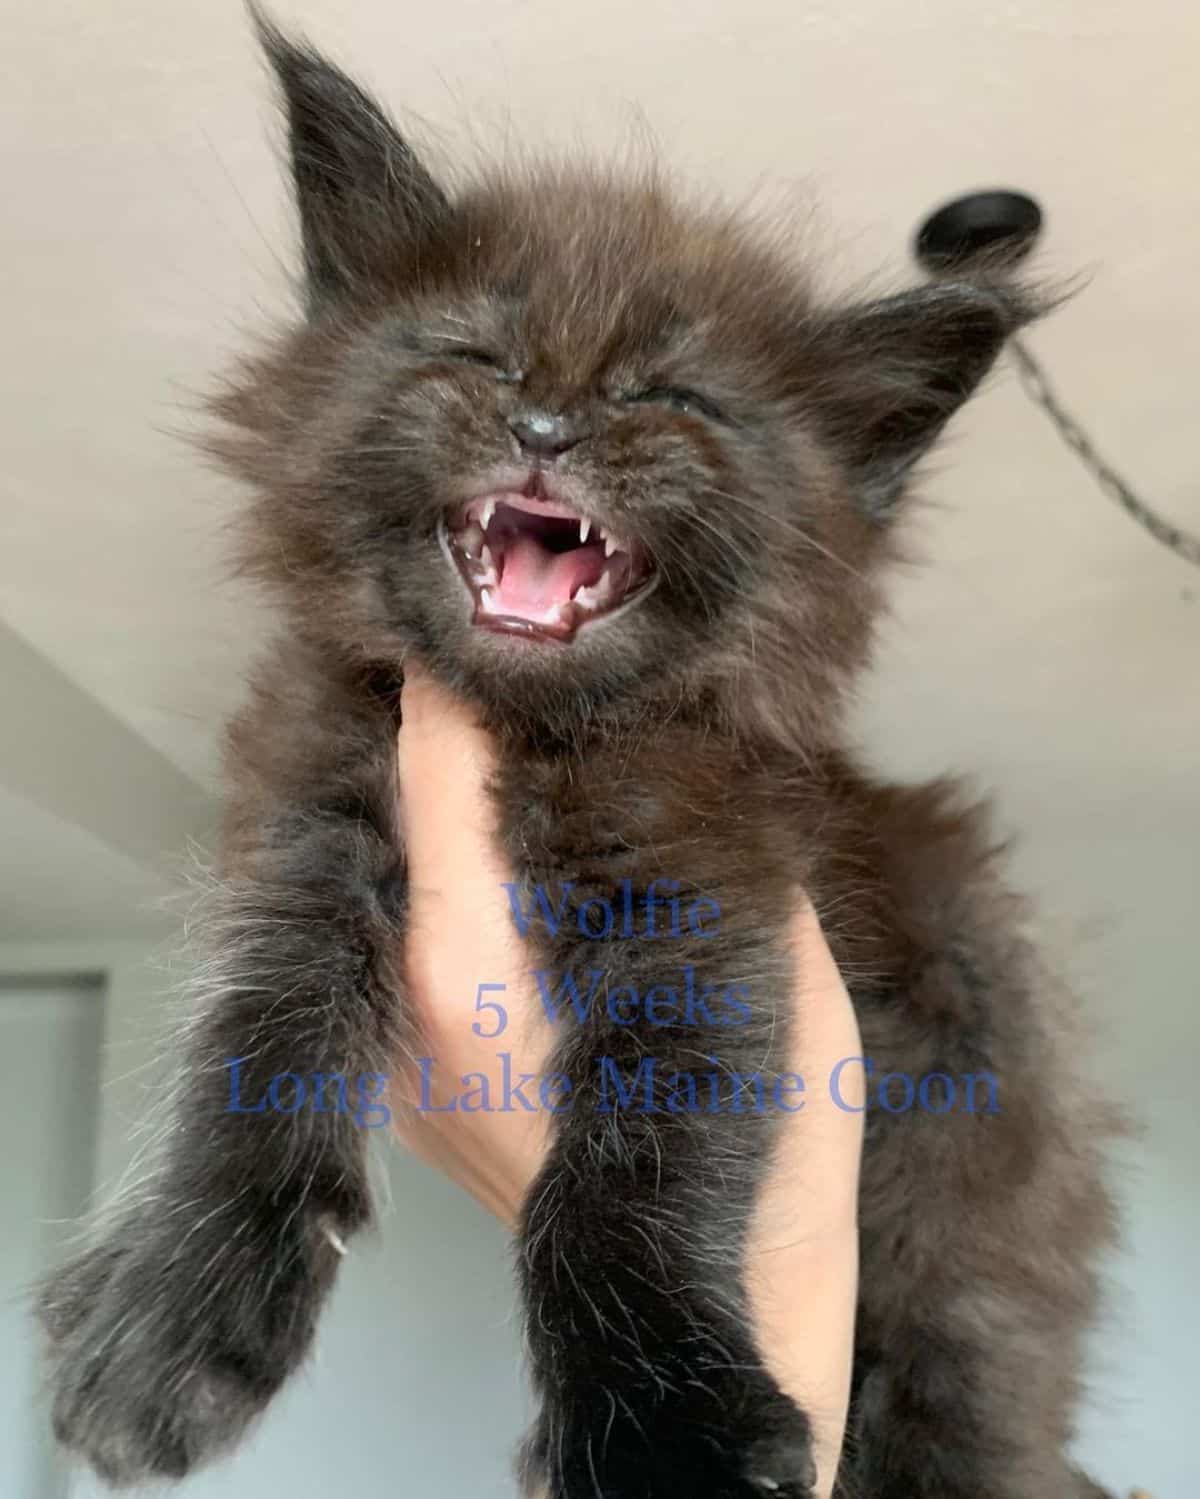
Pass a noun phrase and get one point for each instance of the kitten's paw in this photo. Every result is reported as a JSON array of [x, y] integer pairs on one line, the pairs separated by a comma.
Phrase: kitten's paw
[[164, 1348], [747, 1442], [782, 1466]]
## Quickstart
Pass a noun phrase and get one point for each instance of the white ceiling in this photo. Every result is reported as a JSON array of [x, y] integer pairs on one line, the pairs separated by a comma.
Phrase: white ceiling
[[1049, 646]]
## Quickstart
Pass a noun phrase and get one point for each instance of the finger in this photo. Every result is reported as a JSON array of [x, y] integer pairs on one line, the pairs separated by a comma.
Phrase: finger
[[461, 936], [445, 760], [826, 1030], [802, 1265], [818, 1153], [460, 928]]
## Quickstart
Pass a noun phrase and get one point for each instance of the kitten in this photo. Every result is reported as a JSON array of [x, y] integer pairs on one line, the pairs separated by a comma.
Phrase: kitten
[[606, 464]]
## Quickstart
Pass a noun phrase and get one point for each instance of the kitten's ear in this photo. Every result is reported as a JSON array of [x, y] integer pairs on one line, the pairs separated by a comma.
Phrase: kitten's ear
[[895, 371], [366, 203]]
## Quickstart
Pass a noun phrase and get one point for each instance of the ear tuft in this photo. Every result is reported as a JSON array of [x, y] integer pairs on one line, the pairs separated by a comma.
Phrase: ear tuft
[[366, 203]]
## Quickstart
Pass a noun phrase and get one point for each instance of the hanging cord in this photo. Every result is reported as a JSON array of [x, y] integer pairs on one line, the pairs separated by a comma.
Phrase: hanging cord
[[1041, 393]]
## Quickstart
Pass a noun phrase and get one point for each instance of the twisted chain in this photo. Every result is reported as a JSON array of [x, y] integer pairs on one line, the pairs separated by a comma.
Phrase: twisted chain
[[1041, 393]]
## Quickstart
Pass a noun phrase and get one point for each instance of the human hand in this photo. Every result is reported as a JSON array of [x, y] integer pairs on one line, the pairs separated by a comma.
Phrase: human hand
[[803, 1255]]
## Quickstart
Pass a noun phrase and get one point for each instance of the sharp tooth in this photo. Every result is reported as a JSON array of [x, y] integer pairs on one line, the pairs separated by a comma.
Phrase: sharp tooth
[[469, 540], [486, 599], [489, 509], [596, 594], [585, 525], [610, 546]]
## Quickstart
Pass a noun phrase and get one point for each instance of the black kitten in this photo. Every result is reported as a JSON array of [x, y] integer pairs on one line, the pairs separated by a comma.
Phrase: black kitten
[[606, 465]]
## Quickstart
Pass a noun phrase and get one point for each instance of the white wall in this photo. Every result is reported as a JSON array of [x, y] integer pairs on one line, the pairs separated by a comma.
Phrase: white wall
[[1138, 970]]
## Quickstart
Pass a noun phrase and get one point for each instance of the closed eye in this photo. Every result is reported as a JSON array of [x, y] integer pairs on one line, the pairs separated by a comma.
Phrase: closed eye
[[482, 358], [679, 398], [468, 354]]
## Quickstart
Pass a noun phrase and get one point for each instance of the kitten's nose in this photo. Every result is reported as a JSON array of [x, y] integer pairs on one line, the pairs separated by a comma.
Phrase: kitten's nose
[[545, 434]]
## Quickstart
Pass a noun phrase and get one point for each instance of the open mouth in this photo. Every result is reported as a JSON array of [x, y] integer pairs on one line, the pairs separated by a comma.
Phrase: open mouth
[[539, 568]]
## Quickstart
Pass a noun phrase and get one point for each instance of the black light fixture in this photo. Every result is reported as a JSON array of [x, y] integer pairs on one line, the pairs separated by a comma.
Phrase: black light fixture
[[998, 223]]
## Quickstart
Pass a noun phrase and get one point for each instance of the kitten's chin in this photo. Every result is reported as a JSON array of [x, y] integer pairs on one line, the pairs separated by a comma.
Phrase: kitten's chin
[[538, 569]]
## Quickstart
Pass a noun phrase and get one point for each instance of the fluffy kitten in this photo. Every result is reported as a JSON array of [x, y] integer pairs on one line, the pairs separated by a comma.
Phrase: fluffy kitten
[[490, 369]]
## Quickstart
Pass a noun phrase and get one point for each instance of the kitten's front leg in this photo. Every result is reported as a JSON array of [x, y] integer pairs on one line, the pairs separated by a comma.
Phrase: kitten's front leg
[[199, 1295], [633, 1252]]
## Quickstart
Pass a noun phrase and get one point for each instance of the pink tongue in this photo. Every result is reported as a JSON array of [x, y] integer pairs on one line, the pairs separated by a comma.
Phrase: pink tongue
[[533, 580]]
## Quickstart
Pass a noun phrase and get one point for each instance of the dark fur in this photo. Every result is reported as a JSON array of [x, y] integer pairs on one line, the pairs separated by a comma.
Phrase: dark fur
[[699, 737]]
